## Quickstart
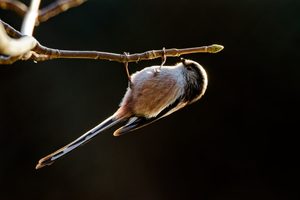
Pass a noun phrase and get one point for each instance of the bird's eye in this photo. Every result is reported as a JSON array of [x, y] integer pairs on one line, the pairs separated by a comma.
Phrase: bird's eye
[[190, 66]]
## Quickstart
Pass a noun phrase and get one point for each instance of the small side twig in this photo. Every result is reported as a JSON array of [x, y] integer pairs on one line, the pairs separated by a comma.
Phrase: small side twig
[[51, 10], [56, 8], [10, 30], [16, 6]]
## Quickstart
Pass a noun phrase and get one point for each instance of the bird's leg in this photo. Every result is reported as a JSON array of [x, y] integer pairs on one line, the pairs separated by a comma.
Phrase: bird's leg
[[164, 58], [127, 71]]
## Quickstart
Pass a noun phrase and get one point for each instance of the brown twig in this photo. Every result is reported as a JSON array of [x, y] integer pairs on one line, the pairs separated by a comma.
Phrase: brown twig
[[56, 8], [42, 53], [45, 13], [10, 30], [16, 6], [49, 53]]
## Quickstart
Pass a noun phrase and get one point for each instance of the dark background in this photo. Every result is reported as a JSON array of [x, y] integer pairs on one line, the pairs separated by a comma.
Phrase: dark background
[[240, 141]]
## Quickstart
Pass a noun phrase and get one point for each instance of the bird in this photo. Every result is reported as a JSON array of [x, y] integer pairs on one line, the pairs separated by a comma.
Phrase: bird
[[153, 93]]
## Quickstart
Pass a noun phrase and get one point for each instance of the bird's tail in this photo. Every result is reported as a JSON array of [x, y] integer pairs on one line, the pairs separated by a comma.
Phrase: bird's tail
[[48, 160]]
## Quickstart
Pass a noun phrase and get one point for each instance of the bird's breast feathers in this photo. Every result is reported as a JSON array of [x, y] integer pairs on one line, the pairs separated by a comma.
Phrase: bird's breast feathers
[[144, 100]]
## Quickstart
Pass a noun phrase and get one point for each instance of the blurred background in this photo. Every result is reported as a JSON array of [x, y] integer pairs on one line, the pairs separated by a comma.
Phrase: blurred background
[[240, 141]]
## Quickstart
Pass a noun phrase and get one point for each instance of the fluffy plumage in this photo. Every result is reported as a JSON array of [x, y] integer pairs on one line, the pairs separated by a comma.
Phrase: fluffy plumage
[[156, 92]]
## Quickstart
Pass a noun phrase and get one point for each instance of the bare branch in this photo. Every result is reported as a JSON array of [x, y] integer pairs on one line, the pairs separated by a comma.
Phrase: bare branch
[[15, 6], [49, 53], [42, 53], [56, 8], [30, 18]]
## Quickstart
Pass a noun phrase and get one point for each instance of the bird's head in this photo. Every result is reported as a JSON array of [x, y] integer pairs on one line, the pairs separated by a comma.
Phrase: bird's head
[[196, 80]]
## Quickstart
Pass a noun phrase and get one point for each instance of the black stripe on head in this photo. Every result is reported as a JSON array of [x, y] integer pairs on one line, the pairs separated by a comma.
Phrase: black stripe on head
[[195, 81]]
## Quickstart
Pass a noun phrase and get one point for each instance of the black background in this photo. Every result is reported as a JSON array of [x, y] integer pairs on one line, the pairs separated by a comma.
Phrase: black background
[[240, 141]]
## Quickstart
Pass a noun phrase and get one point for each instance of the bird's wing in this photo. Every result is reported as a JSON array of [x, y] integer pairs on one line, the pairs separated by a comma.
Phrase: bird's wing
[[139, 122], [48, 160]]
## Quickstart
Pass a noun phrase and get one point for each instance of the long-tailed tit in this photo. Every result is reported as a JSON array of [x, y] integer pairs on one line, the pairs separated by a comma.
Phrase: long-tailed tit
[[155, 92]]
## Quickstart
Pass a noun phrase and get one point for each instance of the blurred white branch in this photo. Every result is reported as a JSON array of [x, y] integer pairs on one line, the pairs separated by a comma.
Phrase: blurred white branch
[[15, 47], [30, 18], [21, 47]]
